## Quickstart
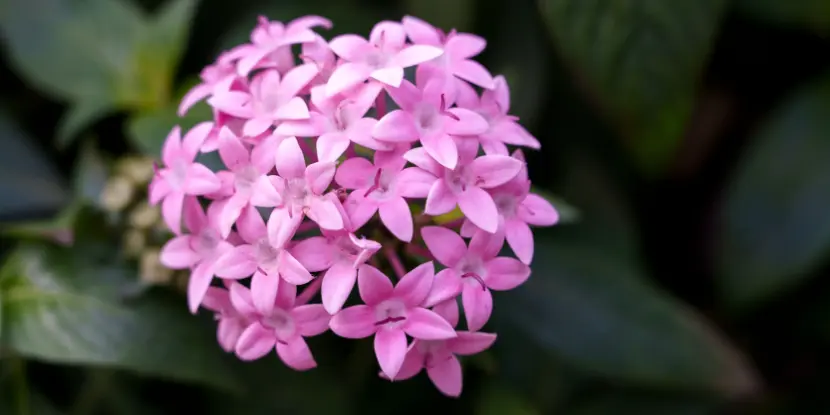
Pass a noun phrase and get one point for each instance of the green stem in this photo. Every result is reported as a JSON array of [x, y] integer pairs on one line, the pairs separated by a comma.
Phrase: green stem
[[21, 386]]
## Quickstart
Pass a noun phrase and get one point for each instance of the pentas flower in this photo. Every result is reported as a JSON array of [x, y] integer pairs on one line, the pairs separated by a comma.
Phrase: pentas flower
[[390, 313], [334, 168]]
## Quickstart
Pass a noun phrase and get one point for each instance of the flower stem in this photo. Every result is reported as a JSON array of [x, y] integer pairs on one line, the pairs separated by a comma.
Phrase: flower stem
[[395, 261], [380, 104], [306, 226], [309, 291], [420, 251]]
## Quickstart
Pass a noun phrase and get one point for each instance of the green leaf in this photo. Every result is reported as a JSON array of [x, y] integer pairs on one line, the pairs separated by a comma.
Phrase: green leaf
[[32, 186], [591, 306], [90, 173], [774, 225], [65, 306], [78, 117], [147, 130], [498, 399], [642, 59], [641, 403], [812, 14], [444, 14]]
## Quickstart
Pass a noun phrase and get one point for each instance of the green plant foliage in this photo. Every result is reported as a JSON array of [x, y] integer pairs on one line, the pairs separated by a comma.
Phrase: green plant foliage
[[641, 60], [810, 14]]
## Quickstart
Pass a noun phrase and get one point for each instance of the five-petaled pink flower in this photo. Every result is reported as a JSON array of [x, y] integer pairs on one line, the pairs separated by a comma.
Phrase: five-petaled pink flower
[[478, 268], [231, 322], [271, 41], [277, 322], [181, 175], [390, 313]]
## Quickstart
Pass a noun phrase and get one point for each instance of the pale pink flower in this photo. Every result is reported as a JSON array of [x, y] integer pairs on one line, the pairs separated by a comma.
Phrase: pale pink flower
[[181, 175], [272, 99], [197, 250], [216, 78], [425, 115], [243, 174], [503, 129], [337, 123], [272, 37], [438, 357], [297, 192], [382, 58], [465, 185], [390, 313], [478, 267], [458, 49], [319, 53], [518, 209], [382, 189], [231, 322], [340, 253], [276, 322]]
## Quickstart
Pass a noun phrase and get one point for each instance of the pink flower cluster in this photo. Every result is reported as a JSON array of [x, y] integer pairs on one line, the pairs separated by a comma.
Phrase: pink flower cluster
[[314, 160]]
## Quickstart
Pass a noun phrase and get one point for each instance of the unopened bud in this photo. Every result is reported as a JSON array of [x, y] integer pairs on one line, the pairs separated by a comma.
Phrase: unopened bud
[[151, 271], [137, 169], [144, 216], [117, 194]]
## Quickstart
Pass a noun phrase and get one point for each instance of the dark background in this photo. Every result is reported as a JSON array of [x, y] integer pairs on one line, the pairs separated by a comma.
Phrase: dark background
[[687, 144]]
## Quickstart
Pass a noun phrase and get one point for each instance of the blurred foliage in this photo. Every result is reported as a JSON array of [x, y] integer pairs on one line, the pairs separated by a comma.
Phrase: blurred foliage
[[686, 145]]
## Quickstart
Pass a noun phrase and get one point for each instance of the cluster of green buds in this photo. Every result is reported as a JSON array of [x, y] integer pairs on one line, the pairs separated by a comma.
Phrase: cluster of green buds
[[124, 199]]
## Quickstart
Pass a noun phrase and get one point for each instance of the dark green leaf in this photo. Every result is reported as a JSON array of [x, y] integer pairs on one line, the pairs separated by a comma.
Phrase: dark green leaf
[[813, 14], [65, 305], [444, 14], [774, 224], [499, 399], [642, 59], [591, 306], [90, 173], [78, 117], [147, 130], [31, 184], [643, 403]]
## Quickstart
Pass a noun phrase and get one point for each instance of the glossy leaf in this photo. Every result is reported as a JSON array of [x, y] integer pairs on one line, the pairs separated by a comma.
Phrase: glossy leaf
[[33, 187], [642, 59], [66, 305], [78, 117], [774, 226], [592, 307]]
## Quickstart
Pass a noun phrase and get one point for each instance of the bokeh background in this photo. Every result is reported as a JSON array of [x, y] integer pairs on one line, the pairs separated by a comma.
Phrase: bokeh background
[[686, 144]]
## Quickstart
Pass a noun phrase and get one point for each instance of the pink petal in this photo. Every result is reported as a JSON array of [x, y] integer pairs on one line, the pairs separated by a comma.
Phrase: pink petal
[[448, 310], [265, 191], [478, 305], [338, 283], [172, 148], [420, 32], [474, 72], [194, 139], [230, 213], [414, 182], [465, 45], [295, 80], [520, 238], [255, 342], [314, 253], [441, 199], [419, 157], [319, 176], [177, 253], [193, 216], [324, 212], [294, 109], [250, 225], [262, 155], [425, 324], [373, 285], [469, 343], [535, 210], [282, 227], [292, 271], [257, 126], [200, 180], [241, 300], [396, 126], [388, 35], [391, 76], [445, 374], [486, 245], [499, 95], [441, 147], [194, 95], [390, 349], [416, 54], [286, 295], [311, 319], [355, 322], [249, 61], [228, 333], [478, 206], [444, 244], [468, 123], [171, 211], [264, 292], [360, 133], [331, 146], [346, 76], [414, 287], [360, 209], [407, 96], [158, 190], [355, 173], [233, 103], [299, 128], [492, 171], [198, 285], [296, 354], [505, 273], [290, 161], [446, 286], [395, 215], [412, 365], [349, 47], [237, 263]]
